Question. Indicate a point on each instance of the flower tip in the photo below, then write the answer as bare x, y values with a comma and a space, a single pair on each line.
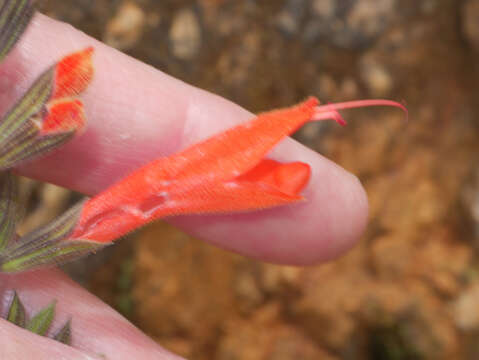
311, 102
293, 177
89, 50
340, 120
289, 178
74, 73
402, 105
63, 116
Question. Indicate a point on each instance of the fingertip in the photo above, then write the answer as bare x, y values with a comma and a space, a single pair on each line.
351, 211
337, 207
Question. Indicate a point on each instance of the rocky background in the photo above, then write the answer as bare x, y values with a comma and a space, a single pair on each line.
410, 289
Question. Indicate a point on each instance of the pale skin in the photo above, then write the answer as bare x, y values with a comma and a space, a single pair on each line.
136, 114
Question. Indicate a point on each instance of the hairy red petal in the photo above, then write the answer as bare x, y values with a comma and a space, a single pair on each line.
205, 168
223, 157
234, 151
269, 184
73, 74
289, 178
62, 116
225, 173
232, 196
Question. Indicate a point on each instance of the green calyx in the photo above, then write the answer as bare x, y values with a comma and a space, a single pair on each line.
23, 137
46, 246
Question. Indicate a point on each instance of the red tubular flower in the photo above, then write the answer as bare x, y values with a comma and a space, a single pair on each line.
225, 173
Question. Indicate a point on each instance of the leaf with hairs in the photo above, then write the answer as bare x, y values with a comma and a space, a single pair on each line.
16, 312
41, 322
64, 335
48, 245
9, 209
15, 15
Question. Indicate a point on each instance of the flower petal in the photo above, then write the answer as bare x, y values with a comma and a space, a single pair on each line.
269, 184
233, 196
289, 178
63, 115
73, 74
234, 151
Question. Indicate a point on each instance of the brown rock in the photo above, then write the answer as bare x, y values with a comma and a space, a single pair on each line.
466, 309
470, 22
185, 35
126, 27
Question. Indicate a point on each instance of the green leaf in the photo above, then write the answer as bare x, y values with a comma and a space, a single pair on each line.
48, 245
41, 322
16, 312
15, 15
9, 207
64, 335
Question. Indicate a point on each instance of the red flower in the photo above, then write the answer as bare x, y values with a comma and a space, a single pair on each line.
72, 75
225, 173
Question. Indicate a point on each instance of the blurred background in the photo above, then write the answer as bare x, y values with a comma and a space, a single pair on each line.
410, 289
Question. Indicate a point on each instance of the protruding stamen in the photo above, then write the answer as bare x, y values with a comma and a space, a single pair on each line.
330, 111
333, 114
